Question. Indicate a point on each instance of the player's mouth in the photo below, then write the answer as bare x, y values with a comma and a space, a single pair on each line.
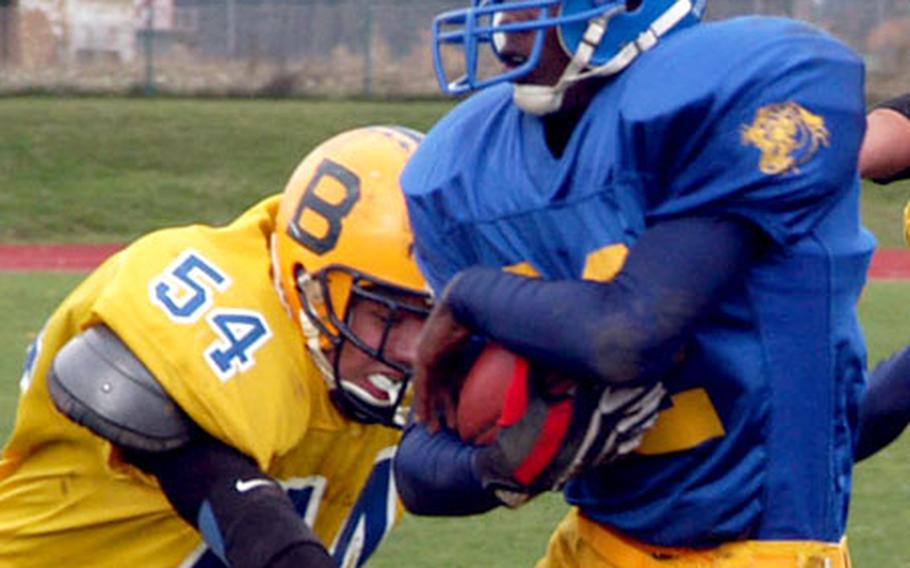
377, 388
512, 60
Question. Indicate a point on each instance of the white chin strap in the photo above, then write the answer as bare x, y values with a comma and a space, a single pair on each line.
541, 100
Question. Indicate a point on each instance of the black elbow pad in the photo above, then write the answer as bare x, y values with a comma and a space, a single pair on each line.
97, 382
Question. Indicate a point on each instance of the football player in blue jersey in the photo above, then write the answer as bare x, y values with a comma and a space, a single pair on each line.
640, 198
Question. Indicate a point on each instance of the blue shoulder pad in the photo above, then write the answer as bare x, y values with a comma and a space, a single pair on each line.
98, 382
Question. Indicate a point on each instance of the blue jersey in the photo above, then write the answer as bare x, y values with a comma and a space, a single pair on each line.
755, 118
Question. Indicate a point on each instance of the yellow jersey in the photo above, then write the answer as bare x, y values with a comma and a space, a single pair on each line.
199, 307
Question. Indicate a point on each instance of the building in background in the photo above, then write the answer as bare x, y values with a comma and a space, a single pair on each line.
39, 32
66, 32
319, 47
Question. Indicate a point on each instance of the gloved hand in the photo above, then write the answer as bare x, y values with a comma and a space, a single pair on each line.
552, 429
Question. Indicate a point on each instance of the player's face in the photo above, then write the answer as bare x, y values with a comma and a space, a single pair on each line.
514, 49
370, 321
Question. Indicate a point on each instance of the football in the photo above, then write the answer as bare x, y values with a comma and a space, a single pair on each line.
483, 393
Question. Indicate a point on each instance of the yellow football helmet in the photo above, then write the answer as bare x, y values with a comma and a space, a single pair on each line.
342, 233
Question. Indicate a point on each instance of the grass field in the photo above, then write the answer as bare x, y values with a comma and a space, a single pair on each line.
108, 170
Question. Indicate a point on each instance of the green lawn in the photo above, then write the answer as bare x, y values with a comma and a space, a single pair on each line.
96, 170
109, 170
509, 539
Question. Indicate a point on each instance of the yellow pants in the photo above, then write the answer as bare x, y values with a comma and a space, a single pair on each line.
582, 543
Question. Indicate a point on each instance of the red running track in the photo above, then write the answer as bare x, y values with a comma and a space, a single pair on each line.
54, 257
887, 264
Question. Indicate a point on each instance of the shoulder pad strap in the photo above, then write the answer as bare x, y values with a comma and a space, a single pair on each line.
99, 383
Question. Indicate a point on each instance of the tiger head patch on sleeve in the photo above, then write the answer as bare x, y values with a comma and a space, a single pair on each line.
787, 135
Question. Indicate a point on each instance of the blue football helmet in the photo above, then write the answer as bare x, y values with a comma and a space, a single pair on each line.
601, 37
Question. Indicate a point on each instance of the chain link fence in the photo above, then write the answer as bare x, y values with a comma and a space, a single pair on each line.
318, 47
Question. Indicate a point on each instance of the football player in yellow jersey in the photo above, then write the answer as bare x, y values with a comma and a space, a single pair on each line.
228, 394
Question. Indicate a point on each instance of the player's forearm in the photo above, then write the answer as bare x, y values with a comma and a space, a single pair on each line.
885, 154
885, 407
244, 516
630, 329
435, 475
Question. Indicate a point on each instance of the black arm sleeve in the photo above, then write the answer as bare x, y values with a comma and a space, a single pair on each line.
899, 104
629, 329
245, 517
885, 408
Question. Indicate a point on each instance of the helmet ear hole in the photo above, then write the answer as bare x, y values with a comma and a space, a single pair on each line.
632, 5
